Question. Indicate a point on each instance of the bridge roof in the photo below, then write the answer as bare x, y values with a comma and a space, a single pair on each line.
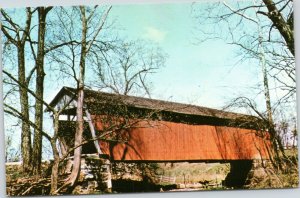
99, 97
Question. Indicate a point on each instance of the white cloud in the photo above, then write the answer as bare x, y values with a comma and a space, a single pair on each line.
154, 34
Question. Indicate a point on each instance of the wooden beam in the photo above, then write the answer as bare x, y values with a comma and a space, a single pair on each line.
92, 129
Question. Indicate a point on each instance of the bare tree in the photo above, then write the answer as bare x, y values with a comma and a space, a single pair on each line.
13, 111
237, 24
85, 44
33, 46
11, 154
284, 24
266, 41
39, 65
17, 35
125, 69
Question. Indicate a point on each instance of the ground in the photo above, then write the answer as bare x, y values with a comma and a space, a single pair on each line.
155, 177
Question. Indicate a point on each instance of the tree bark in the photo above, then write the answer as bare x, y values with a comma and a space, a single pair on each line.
37, 143
275, 139
54, 173
79, 111
26, 134
283, 26
26, 148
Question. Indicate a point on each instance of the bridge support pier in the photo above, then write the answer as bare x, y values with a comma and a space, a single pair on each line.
238, 175
95, 175
246, 173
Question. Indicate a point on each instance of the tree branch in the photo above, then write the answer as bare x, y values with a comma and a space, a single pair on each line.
103, 20
8, 36
14, 112
29, 91
237, 12
60, 45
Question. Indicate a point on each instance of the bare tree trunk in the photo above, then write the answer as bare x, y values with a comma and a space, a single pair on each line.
37, 143
271, 126
54, 173
275, 138
79, 112
26, 134
85, 47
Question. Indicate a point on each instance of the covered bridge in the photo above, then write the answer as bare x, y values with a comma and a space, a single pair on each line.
136, 129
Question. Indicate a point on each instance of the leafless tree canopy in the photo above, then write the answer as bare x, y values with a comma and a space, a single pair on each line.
262, 32
257, 28
126, 68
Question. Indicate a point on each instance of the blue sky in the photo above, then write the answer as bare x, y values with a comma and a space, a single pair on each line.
205, 74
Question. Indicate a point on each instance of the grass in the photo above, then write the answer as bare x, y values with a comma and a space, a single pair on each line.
194, 172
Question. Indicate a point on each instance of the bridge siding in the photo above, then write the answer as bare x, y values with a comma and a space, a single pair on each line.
169, 141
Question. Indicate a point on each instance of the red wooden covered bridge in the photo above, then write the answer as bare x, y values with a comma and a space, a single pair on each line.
135, 129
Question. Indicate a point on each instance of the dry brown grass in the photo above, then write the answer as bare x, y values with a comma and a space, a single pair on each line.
194, 172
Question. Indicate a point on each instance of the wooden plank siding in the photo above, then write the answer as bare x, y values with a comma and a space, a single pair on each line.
169, 141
